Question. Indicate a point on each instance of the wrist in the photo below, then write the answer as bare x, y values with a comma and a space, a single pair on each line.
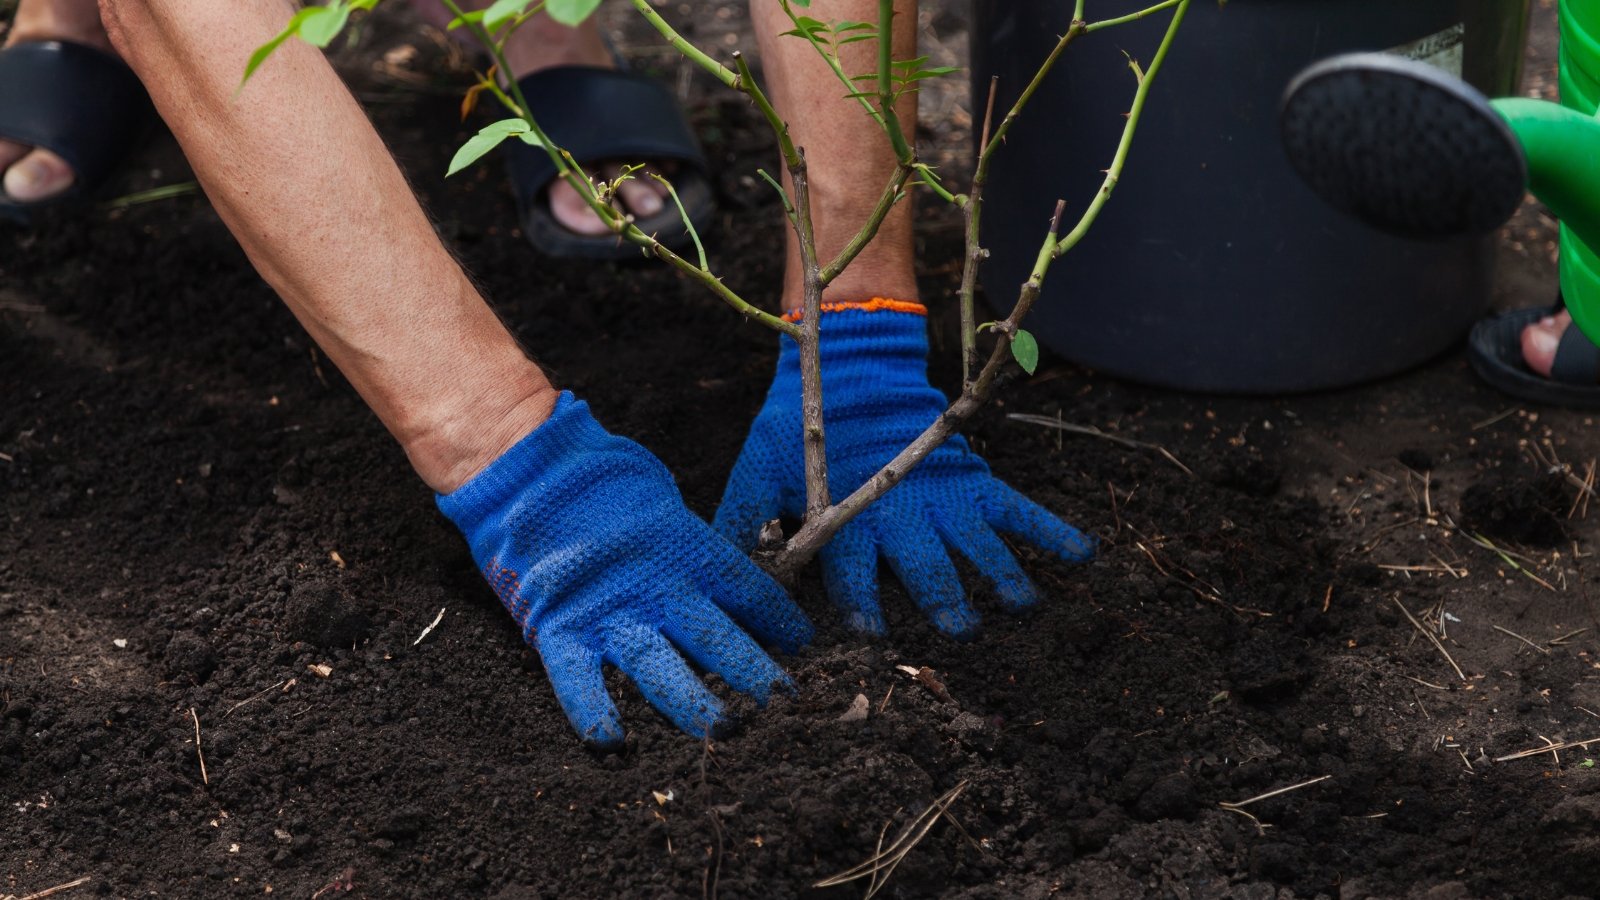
459, 442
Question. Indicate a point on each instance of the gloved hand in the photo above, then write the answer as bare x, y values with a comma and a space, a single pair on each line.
876, 400
585, 538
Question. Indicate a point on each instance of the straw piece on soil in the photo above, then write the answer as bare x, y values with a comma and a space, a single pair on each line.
1519, 637
51, 891
197, 751
1431, 639
1268, 794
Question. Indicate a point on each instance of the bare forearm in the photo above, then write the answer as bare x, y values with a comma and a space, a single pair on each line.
307, 187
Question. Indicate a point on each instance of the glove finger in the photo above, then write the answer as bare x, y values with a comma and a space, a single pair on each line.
665, 680
973, 538
751, 499
918, 558
575, 675
750, 595
850, 573
1009, 511
710, 639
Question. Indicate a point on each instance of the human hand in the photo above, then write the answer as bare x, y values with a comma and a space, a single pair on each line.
585, 539
876, 400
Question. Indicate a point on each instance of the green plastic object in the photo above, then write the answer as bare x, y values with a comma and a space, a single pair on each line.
1580, 91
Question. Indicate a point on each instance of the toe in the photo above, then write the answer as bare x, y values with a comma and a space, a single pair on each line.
1540, 340
572, 212
37, 176
640, 196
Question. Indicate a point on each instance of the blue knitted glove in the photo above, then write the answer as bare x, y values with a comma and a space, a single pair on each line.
876, 400
585, 538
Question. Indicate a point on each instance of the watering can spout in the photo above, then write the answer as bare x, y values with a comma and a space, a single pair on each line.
1412, 150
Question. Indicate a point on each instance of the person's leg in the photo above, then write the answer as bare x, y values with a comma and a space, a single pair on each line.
848, 158
30, 174
307, 187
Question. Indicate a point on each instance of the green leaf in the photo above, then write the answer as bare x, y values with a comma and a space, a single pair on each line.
502, 11
1025, 350
857, 37
803, 4
571, 13
324, 24
265, 50
910, 63
934, 72
488, 138
854, 26
465, 19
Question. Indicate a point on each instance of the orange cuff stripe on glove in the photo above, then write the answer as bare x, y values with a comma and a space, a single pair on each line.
876, 304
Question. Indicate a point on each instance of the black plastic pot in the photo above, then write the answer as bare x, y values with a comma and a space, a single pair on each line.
1213, 267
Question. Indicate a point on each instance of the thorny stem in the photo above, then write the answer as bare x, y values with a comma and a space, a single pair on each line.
931, 182
816, 455
819, 529
683, 45
974, 255
746, 84
1131, 17
972, 202
891, 121
1114, 173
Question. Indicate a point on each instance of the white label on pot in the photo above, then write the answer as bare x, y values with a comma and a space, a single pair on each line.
1443, 50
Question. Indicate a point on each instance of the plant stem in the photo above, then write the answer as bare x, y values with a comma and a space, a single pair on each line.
819, 529
816, 454
683, 45
886, 98
745, 83
1114, 173
931, 181
972, 203
1132, 17
973, 258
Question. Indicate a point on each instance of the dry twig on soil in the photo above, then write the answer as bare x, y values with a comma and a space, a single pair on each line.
1519, 637
197, 751
1270, 794
1550, 747
51, 891
1091, 431
883, 862
1432, 638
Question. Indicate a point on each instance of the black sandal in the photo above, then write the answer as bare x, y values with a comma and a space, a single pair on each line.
1495, 350
82, 104
607, 114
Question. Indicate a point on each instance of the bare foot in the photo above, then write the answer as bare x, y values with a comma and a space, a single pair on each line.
35, 174
1540, 340
542, 44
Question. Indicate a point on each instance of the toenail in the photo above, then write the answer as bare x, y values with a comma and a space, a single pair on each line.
30, 178
1543, 341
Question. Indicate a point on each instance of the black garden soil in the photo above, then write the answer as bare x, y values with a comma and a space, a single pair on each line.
205, 531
